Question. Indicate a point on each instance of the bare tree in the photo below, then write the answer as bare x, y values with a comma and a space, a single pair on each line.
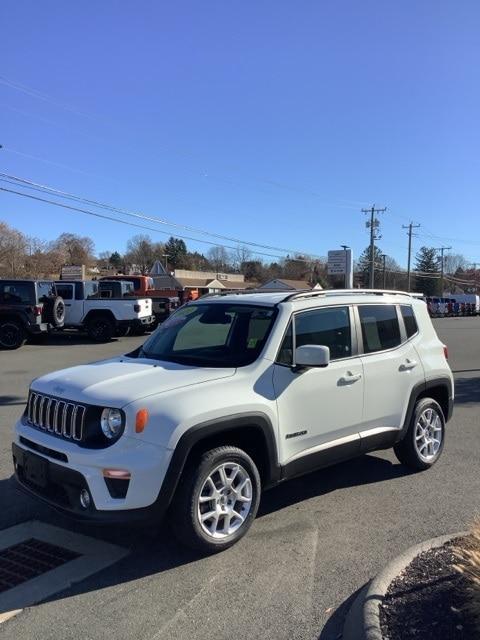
455, 261
75, 249
219, 258
239, 256
140, 253
13, 251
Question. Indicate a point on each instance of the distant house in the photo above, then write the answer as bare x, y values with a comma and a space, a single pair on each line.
289, 285
193, 284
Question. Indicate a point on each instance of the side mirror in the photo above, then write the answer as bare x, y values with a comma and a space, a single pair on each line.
312, 355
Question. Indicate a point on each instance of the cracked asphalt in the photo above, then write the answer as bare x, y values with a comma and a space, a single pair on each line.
317, 540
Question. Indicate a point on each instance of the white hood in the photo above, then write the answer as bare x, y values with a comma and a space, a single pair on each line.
122, 380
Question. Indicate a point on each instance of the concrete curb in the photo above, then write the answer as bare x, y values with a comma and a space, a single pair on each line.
363, 619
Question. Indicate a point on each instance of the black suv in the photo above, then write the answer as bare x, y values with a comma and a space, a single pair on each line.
28, 307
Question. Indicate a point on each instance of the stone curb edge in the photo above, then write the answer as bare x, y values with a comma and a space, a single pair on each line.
363, 619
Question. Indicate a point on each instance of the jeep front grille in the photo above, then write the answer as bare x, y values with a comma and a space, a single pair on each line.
60, 417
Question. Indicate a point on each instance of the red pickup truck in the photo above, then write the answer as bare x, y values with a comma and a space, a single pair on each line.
164, 301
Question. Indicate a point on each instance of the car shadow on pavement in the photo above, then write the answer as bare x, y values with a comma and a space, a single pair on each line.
467, 390
63, 339
11, 400
367, 469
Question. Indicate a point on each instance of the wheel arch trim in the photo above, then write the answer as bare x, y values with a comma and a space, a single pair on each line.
227, 424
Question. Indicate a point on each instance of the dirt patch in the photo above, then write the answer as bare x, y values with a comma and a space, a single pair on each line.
427, 600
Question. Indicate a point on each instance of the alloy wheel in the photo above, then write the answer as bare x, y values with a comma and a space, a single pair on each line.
428, 434
225, 500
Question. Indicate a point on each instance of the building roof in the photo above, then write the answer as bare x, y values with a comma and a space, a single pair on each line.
209, 283
285, 283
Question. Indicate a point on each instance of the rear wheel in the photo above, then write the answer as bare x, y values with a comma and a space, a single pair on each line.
423, 443
217, 500
100, 328
12, 335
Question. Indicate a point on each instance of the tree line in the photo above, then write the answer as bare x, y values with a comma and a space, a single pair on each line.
23, 256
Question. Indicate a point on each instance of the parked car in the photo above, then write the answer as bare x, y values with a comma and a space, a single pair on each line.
103, 310
165, 306
28, 308
144, 287
233, 394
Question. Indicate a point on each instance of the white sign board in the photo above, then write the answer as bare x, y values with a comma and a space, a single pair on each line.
73, 272
340, 263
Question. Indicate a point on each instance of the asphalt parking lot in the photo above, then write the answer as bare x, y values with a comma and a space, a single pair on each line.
316, 541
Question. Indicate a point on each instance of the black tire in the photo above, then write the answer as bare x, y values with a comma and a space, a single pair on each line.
185, 509
12, 335
408, 451
54, 311
100, 328
122, 331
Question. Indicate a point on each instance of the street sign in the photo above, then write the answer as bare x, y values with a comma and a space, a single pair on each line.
340, 263
337, 262
73, 272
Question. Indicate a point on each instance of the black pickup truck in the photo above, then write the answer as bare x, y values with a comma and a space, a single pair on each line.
28, 308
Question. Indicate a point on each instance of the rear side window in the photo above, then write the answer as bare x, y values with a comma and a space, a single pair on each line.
45, 290
65, 291
17, 293
380, 328
411, 326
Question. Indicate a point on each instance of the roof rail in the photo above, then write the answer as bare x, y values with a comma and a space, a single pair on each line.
347, 292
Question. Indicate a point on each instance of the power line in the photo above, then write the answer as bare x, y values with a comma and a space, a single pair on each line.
25, 183
133, 224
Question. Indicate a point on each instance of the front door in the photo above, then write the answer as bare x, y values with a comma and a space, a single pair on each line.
319, 409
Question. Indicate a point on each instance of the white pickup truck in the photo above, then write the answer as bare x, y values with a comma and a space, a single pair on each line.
104, 309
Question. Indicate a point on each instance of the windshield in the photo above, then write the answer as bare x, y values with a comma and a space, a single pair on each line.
211, 335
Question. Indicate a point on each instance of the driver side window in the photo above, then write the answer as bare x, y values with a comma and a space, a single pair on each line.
329, 327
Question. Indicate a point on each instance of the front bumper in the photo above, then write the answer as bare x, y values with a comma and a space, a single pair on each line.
68, 469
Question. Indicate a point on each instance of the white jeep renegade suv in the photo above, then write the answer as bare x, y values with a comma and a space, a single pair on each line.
232, 394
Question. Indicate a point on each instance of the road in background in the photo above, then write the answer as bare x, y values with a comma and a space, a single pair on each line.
317, 539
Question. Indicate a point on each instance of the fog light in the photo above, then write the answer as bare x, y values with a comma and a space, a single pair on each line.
85, 498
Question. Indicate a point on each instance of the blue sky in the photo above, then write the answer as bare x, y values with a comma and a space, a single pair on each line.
271, 121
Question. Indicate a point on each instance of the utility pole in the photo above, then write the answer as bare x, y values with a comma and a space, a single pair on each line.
374, 225
410, 227
442, 266
384, 277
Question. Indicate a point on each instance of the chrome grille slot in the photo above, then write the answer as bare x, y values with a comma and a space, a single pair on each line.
59, 417
65, 419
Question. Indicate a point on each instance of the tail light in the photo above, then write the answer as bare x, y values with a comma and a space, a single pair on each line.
37, 311
137, 308
445, 351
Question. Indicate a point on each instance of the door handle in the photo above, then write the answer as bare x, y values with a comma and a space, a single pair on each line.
350, 378
409, 364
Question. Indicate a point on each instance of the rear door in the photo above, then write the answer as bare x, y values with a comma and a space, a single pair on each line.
388, 334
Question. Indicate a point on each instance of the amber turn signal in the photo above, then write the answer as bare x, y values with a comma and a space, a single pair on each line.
141, 420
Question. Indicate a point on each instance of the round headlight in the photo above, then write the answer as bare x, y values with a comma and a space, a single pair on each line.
111, 422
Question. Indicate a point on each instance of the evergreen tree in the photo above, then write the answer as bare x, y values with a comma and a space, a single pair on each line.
426, 263
176, 250
363, 266
116, 260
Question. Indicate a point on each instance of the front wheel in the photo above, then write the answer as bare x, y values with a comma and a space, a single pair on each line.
423, 442
217, 500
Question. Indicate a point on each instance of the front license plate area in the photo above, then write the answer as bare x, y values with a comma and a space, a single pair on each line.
35, 469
